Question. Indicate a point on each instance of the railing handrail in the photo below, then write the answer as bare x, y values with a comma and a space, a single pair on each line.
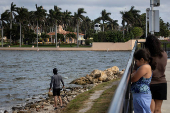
118, 100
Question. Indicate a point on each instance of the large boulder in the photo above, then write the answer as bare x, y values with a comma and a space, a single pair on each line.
97, 76
109, 73
103, 76
95, 73
114, 69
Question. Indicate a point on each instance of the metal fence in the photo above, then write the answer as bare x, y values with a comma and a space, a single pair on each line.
122, 100
165, 47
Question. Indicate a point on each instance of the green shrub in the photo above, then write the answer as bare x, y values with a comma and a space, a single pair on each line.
137, 32
88, 41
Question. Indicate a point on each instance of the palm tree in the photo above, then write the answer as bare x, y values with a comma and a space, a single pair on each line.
131, 17
105, 17
11, 13
136, 16
39, 15
4, 20
113, 23
56, 17
22, 16
65, 17
86, 24
78, 16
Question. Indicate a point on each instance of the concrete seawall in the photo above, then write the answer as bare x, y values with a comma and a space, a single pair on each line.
97, 46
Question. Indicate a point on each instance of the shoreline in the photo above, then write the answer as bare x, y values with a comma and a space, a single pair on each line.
55, 49
46, 105
85, 84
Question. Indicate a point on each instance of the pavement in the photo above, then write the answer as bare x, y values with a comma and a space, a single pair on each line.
166, 103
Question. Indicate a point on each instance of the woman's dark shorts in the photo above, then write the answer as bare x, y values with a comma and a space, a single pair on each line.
159, 91
56, 92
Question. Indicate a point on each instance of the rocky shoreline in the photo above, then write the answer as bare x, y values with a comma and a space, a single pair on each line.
89, 81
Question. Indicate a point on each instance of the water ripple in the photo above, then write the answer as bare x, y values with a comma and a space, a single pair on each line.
26, 74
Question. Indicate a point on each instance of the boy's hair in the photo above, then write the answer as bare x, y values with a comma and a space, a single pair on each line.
154, 46
55, 70
143, 53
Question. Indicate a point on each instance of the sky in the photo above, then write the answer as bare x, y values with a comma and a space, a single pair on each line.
93, 8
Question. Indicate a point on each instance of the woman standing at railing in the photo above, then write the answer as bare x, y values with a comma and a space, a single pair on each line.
141, 79
158, 84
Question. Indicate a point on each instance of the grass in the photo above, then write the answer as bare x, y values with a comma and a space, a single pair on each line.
102, 104
77, 103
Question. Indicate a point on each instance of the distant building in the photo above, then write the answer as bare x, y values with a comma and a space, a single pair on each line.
97, 27
66, 39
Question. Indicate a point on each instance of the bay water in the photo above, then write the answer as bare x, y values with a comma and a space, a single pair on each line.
25, 75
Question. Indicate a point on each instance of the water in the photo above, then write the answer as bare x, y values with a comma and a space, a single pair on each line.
27, 74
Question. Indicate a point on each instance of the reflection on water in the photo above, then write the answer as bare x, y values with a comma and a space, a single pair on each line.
26, 74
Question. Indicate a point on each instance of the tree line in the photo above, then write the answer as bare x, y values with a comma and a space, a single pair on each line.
20, 24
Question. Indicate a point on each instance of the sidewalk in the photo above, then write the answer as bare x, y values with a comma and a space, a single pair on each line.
166, 103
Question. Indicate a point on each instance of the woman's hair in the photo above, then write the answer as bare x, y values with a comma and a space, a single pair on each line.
143, 53
154, 46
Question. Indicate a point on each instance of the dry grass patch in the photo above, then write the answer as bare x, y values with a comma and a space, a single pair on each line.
102, 104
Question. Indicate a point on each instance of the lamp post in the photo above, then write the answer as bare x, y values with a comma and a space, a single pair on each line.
59, 42
147, 19
1, 25
154, 17
152, 4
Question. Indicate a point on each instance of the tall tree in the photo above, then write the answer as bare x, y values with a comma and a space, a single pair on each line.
78, 16
12, 14
4, 20
66, 18
104, 17
39, 14
85, 26
58, 19
113, 24
22, 16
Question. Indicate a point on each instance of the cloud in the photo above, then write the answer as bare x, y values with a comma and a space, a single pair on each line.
92, 7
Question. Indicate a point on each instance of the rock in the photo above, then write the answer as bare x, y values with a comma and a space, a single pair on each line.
99, 82
5, 111
80, 81
94, 73
32, 106
102, 77
24, 111
123, 69
95, 80
114, 69
50, 94
109, 73
38, 106
45, 109
81, 91
120, 73
52, 102
45, 104
14, 111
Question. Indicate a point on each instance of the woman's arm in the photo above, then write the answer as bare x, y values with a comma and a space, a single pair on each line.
139, 73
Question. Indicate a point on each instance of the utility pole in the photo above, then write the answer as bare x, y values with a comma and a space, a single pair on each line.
147, 19
152, 12
1, 25
154, 17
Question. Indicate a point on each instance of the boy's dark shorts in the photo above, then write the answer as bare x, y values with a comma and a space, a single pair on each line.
56, 92
159, 91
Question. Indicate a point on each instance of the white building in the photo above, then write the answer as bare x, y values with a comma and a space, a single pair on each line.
97, 27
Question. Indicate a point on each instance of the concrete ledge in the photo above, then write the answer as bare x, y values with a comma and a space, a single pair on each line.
97, 46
